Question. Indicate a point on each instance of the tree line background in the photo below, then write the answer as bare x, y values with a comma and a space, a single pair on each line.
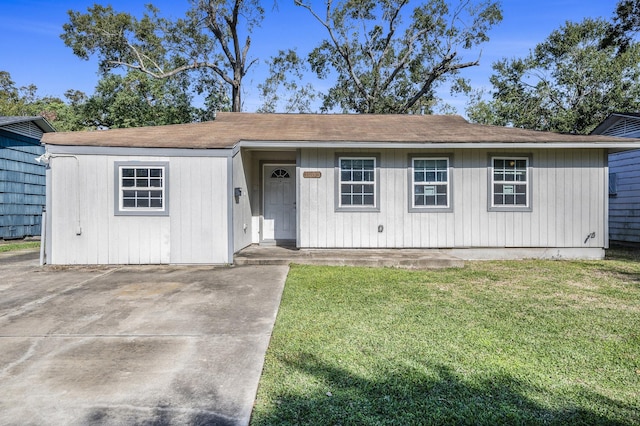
385, 57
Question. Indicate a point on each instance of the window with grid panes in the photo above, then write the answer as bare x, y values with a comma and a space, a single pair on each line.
430, 182
142, 188
510, 182
357, 181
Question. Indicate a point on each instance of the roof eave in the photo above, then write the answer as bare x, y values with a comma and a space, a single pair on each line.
612, 119
620, 146
39, 121
44, 125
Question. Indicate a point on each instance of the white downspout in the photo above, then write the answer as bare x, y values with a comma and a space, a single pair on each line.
43, 236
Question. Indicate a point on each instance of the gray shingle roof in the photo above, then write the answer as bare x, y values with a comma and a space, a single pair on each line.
230, 128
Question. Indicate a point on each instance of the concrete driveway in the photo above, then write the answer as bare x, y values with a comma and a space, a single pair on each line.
150, 345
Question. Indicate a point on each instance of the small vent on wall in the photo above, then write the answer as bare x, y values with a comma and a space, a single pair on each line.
624, 128
26, 128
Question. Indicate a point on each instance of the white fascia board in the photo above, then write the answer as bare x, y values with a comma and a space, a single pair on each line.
159, 152
622, 146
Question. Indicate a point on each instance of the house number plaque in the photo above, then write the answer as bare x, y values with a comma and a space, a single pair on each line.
312, 175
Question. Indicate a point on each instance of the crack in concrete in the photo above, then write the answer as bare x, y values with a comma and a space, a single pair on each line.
27, 355
34, 303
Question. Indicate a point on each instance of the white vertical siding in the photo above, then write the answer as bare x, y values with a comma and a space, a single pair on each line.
82, 201
65, 186
567, 189
130, 239
194, 232
198, 210
242, 223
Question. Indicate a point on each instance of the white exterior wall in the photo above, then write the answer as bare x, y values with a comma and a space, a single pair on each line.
83, 229
624, 206
199, 210
568, 190
242, 219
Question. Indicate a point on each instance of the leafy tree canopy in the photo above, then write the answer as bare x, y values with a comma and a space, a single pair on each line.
283, 90
25, 101
137, 99
131, 100
626, 24
569, 83
387, 59
207, 41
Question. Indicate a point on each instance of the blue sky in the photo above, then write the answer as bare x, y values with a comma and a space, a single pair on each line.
33, 53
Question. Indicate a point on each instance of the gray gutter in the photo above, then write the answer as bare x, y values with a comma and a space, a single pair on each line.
611, 146
160, 152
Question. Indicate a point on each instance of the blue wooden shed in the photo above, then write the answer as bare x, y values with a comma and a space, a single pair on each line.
624, 178
22, 179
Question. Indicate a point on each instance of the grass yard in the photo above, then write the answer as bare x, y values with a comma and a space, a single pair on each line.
22, 245
523, 342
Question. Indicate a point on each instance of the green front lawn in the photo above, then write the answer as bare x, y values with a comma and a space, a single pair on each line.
524, 342
22, 245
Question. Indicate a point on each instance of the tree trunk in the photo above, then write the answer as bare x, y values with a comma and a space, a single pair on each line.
236, 105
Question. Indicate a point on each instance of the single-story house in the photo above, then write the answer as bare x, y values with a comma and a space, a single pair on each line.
624, 179
22, 179
198, 193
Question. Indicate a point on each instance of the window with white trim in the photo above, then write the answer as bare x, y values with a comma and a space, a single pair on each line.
430, 183
510, 182
357, 185
142, 188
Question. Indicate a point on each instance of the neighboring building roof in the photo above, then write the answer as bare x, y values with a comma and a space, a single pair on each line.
41, 122
624, 124
228, 129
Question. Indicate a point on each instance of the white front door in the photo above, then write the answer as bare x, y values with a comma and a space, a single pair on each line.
279, 202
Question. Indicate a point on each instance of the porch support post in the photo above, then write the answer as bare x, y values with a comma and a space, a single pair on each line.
230, 235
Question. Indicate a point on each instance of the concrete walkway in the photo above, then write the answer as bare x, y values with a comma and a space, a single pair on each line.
152, 345
392, 258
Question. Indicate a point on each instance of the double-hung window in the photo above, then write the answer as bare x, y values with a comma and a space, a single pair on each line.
357, 183
141, 188
430, 184
510, 183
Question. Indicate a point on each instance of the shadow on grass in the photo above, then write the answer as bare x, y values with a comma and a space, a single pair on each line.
628, 254
428, 395
618, 252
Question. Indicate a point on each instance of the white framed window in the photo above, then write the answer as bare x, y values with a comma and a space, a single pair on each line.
430, 180
141, 188
510, 183
357, 184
